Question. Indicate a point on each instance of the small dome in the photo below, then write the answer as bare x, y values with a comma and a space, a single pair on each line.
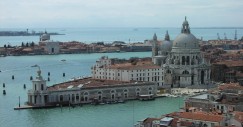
185, 40
166, 46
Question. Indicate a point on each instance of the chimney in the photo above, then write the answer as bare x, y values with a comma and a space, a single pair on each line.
178, 124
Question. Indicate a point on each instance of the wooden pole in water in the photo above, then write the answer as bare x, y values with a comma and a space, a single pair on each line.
3, 85
63, 75
4, 92
19, 101
24, 86
49, 73
12, 77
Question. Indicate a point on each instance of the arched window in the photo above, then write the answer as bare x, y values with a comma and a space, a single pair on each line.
125, 91
42, 87
61, 98
73, 97
77, 96
168, 71
125, 95
185, 72
112, 96
86, 93
183, 60
187, 60
99, 95
85, 98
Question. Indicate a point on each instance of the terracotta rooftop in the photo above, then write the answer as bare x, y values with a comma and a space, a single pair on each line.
182, 123
231, 63
234, 86
139, 65
201, 116
90, 83
239, 116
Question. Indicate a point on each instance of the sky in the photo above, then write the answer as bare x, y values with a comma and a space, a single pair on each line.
119, 13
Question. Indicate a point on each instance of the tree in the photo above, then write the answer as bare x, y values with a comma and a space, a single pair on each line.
5, 46
32, 44
27, 44
22, 45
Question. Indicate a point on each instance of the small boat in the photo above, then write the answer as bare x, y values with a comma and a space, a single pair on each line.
102, 103
63, 60
121, 101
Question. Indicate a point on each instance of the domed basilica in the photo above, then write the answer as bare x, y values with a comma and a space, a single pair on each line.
182, 62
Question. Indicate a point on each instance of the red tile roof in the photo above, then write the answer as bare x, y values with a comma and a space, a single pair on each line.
182, 123
201, 116
234, 86
231, 63
91, 83
239, 116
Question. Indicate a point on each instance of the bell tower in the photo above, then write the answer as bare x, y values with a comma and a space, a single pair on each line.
154, 45
185, 27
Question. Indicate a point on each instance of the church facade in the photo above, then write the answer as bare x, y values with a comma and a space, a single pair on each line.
182, 62
177, 63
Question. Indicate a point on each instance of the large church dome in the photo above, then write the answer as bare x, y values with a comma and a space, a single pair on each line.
186, 40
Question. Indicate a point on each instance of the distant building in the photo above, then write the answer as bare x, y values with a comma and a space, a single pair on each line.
52, 47
45, 37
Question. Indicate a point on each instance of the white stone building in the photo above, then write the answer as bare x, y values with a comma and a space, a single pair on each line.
87, 90
52, 47
177, 64
38, 94
140, 70
185, 65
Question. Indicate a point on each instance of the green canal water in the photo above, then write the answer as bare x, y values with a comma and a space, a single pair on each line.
114, 115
